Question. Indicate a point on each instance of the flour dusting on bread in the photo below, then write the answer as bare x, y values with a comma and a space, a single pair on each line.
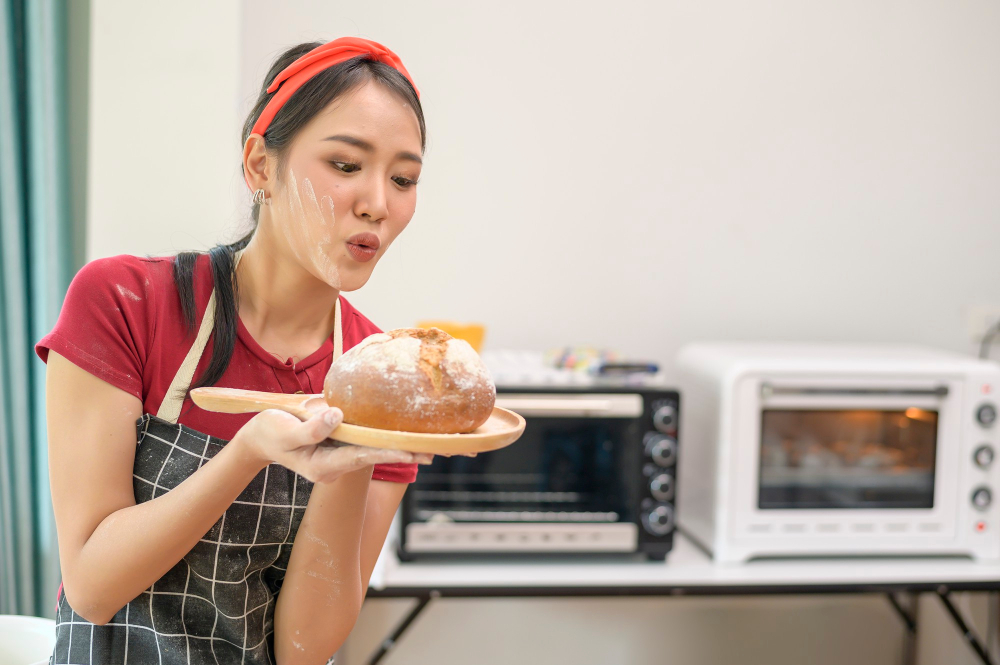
462, 361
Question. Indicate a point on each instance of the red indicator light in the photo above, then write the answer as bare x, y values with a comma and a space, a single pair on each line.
980, 526
986, 389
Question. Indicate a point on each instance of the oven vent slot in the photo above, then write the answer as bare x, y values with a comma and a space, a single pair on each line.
445, 516
767, 390
499, 497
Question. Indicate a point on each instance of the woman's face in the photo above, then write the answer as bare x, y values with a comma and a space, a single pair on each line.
348, 186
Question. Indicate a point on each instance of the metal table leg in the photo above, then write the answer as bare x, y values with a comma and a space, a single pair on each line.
966, 631
909, 616
390, 641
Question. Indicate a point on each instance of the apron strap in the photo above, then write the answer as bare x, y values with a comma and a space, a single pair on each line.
170, 408
338, 333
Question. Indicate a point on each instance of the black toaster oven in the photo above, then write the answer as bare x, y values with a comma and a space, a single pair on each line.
594, 473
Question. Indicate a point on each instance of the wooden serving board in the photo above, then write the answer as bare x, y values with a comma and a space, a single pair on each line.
502, 429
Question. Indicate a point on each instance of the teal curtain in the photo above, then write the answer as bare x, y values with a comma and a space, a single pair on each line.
38, 257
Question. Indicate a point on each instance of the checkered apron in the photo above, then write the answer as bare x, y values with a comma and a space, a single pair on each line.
217, 604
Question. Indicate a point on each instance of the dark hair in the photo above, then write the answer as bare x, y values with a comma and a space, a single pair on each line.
303, 106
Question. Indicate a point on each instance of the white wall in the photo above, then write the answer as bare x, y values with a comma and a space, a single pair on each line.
164, 135
632, 175
640, 174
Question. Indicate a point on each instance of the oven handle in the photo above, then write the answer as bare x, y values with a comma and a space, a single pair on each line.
617, 406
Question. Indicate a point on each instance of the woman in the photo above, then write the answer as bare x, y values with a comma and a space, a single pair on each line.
178, 527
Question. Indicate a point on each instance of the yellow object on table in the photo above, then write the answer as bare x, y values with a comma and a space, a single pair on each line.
472, 333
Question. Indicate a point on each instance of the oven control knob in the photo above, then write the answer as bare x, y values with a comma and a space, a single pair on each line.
659, 521
983, 456
663, 449
662, 487
982, 498
665, 418
986, 415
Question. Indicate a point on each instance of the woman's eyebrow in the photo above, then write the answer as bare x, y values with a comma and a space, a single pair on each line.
368, 147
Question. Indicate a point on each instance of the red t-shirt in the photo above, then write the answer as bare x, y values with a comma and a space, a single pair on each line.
122, 322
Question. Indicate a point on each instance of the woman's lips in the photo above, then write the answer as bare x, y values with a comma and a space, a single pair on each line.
363, 246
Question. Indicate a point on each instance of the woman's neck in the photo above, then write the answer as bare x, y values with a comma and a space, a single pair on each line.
286, 309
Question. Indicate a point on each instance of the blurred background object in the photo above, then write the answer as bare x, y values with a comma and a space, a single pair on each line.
473, 333
26, 640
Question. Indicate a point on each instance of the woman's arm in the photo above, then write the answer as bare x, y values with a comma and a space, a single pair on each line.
335, 550
383, 501
111, 549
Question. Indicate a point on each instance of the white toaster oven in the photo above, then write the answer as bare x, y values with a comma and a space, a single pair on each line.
819, 450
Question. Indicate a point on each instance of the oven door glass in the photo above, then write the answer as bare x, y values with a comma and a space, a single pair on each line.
560, 470
857, 458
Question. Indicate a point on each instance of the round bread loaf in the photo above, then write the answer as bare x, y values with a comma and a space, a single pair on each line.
412, 380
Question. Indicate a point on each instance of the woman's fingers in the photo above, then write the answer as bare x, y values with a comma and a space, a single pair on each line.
306, 448
328, 462
364, 455
319, 427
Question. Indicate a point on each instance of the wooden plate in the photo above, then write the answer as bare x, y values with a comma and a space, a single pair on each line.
502, 429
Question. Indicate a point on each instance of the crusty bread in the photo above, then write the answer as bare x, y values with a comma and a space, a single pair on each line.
412, 380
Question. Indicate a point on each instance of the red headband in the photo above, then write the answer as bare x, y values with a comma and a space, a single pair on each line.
322, 57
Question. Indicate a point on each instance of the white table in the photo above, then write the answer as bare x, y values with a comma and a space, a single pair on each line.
687, 571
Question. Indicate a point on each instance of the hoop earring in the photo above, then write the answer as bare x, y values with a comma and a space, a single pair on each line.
258, 198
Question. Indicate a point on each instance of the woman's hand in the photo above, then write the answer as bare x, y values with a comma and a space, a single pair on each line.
303, 447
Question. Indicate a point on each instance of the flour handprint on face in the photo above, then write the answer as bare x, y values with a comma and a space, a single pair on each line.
309, 225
